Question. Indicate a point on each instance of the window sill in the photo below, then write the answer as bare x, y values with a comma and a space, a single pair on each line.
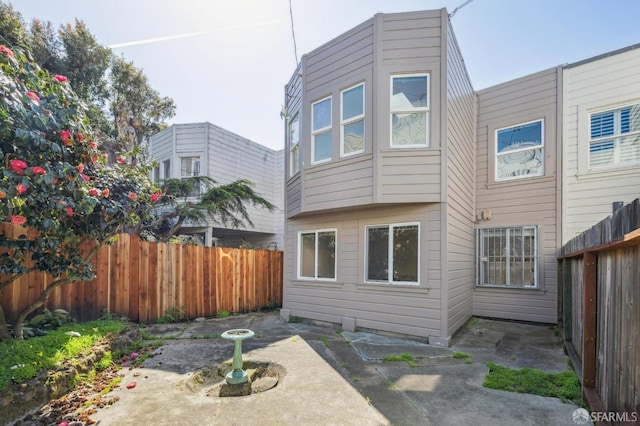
316, 283
508, 288
620, 171
395, 288
518, 182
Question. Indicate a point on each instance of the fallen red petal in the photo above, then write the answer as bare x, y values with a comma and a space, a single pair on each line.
131, 385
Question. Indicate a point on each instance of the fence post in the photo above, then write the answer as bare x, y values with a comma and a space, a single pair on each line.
589, 321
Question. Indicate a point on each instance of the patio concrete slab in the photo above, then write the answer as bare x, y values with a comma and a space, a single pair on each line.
333, 378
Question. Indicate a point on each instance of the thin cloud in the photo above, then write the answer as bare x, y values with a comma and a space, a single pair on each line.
186, 35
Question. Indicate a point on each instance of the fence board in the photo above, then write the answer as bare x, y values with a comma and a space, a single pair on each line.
141, 280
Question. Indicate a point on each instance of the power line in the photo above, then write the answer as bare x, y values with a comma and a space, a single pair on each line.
454, 10
293, 34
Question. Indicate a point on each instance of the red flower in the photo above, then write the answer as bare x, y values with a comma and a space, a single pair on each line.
6, 51
94, 159
20, 189
133, 196
17, 166
38, 170
66, 137
81, 167
16, 219
154, 197
85, 177
69, 211
60, 78
105, 193
93, 192
3, 194
121, 160
33, 96
55, 181
93, 145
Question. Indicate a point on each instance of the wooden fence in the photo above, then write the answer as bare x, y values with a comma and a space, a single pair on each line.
141, 280
599, 310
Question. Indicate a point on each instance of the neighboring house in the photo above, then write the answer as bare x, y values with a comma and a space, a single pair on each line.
186, 150
414, 202
601, 137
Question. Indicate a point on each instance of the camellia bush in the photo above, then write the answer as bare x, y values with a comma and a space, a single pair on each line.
56, 183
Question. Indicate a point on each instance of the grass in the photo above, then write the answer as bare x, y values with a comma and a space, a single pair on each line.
461, 355
564, 386
400, 358
22, 360
222, 314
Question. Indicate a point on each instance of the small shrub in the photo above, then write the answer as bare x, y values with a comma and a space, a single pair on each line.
173, 315
222, 314
461, 355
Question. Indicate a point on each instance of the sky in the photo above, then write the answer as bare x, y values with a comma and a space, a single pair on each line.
227, 61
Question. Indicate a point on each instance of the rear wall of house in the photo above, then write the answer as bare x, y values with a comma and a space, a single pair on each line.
522, 201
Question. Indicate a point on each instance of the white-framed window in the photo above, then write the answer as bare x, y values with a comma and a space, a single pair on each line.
294, 144
614, 137
410, 110
190, 167
508, 257
352, 120
392, 253
321, 135
317, 254
156, 174
520, 151
166, 169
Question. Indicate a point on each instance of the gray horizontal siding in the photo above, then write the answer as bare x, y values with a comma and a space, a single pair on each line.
410, 37
161, 145
409, 176
411, 310
527, 201
460, 148
190, 138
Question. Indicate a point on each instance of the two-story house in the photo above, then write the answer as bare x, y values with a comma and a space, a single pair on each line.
413, 202
203, 149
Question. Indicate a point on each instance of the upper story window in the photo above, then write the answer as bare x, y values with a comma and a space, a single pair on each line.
508, 257
614, 137
410, 111
317, 254
156, 173
520, 151
393, 253
190, 167
352, 121
321, 137
294, 143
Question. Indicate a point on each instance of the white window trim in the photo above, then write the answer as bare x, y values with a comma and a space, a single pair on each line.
315, 132
530, 148
294, 147
390, 280
315, 272
348, 121
194, 160
536, 256
615, 137
426, 109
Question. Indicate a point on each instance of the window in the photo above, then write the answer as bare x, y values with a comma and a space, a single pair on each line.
190, 167
156, 174
410, 111
519, 151
166, 169
317, 255
352, 121
321, 131
393, 253
508, 256
614, 137
294, 141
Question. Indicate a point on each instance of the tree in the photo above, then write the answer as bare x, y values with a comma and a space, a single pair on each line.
12, 29
56, 182
133, 102
223, 204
